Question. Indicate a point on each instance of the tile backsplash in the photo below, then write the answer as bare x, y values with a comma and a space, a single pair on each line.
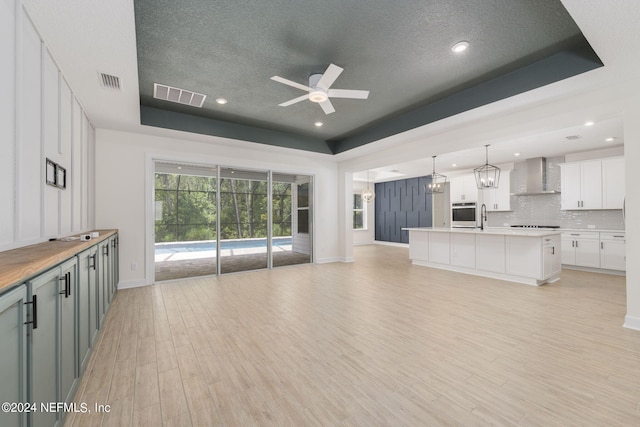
544, 209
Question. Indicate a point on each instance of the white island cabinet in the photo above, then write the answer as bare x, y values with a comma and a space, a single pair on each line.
531, 257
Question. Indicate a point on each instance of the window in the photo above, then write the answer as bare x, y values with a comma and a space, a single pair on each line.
359, 213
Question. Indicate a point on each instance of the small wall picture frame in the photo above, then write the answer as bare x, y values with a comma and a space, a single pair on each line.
61, 177
51, 173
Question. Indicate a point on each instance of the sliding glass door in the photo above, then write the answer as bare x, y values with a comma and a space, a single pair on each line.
263, 219
243, 220
185, 221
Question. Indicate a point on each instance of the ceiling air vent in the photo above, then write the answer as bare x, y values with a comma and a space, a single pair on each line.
181, 96
573, 137
110, 82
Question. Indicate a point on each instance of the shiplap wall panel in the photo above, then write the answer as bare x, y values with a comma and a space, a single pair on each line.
51, 118
76, 169
66, 102
29, 157
84, 173
7, 120
400, 204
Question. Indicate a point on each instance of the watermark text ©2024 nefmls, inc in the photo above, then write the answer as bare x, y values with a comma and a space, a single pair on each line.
48, 407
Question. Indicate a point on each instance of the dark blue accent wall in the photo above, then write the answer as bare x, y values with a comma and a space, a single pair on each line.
399, 204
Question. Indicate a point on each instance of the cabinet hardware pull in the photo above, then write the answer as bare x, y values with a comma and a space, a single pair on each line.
34, 310
576, 243
105, 251
94, 261
573, 243
553, 250
574, 234
68, 285
619, 236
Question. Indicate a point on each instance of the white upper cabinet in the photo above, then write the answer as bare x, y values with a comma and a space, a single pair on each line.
498, 199
463, 189
613, 183
592, 184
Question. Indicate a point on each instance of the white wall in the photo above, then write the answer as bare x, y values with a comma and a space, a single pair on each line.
39, 119
368, 236
124, 175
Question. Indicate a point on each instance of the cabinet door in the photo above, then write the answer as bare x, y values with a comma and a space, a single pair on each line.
463, 250
103, 281
570, 186
587, 252
568, 253
502, 194
439, 249
68, 354
87, 303
524, 256
456, 190
490, 253
612, 255
552, 264
419, 246
43, 387
13, 354
613, 188
470, 188
591, 180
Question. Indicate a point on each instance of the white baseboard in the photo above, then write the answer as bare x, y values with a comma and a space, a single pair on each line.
132, 284
368, 242
333, 259
398, 245
632, 322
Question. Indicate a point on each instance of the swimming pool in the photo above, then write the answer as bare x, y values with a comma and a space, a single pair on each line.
176, 251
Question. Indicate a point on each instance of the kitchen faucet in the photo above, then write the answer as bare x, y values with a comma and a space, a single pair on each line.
483, 215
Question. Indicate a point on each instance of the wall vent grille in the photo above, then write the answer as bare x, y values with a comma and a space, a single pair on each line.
110, 82
573, 137
181, 96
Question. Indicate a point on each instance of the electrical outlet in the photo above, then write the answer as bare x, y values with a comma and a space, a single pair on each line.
134, 266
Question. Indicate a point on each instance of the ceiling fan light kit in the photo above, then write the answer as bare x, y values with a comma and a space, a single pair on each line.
320, 89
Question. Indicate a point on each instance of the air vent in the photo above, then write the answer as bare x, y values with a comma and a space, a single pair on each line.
181, 96
573, 137
110, 82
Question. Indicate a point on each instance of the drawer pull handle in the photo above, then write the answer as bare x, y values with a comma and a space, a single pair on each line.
34, 307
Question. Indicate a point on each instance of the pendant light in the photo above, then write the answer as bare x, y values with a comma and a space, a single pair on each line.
487, 176
368, 194
437, 181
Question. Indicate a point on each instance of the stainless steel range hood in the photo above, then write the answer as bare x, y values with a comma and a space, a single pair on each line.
536, 178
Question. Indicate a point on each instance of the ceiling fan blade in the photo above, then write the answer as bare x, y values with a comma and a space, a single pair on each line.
290, 83
347, 93
294, 101
327, 107
329, 76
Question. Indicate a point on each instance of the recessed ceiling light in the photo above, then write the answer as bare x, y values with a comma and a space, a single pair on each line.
589, 123
610, 139
516, 154
454, 165
318, 124
460, 46
221, 101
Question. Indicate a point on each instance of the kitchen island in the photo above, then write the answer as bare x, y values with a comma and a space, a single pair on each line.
527, 256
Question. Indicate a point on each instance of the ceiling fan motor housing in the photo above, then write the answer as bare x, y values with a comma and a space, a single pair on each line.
316, 94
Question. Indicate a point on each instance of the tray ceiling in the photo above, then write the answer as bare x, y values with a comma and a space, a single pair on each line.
399, 51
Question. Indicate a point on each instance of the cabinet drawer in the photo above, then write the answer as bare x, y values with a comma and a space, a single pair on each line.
612, 236
581, 235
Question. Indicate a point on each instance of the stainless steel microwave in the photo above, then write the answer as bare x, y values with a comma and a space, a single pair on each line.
463, 215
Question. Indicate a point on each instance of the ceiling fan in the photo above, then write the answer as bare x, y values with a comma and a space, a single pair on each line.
320, 89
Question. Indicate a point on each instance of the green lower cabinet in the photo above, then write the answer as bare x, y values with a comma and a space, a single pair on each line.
87, 305
13, 355
53, 375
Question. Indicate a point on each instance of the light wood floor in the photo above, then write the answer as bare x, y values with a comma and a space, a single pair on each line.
376, 342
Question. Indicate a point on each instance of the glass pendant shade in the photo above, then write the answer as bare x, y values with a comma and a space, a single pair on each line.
487, 176
437, 183
368, 194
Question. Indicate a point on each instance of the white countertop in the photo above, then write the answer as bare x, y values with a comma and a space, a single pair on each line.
491, 230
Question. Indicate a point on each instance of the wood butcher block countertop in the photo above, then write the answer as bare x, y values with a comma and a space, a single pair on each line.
17, 265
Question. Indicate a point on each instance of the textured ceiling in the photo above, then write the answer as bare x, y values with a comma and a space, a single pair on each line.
399, 51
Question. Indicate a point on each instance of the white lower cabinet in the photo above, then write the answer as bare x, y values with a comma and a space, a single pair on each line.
419, 246
531, 257
490, 253
463, 250
439, 248
612, 251
581, 249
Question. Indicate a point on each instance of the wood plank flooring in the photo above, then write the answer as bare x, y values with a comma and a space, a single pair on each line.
378, 342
